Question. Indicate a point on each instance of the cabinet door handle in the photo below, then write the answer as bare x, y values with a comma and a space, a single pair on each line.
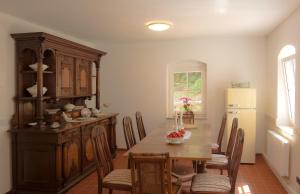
230, 112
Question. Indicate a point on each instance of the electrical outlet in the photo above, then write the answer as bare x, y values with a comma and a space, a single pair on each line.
298, 180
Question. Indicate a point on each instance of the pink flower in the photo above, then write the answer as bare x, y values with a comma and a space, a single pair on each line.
186, 103
185, 100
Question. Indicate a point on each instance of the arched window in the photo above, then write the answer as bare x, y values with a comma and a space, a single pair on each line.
286, 86
187, 80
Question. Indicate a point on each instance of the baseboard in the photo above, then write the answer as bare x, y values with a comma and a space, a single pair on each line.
287, 187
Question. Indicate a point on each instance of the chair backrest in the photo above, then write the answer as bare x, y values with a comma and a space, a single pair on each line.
234, 163
128, 132
221, 132
232, 137
103, 158
140, 125
150, 173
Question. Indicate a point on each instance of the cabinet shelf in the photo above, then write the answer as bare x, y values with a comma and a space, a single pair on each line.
34, 72
52, 97
31, 98
66, 97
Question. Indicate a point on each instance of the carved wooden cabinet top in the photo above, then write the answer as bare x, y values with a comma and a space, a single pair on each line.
109, 116
52, 72
52, 41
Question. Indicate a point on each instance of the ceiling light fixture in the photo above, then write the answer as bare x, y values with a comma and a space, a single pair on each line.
159, 25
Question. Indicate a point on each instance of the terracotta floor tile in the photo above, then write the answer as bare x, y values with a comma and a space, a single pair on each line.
258, 178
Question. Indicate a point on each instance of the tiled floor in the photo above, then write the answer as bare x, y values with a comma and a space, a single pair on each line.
252, 179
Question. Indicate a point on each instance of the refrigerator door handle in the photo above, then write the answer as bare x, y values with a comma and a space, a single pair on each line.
233, 105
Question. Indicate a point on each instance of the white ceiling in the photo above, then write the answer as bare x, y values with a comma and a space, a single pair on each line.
123, 20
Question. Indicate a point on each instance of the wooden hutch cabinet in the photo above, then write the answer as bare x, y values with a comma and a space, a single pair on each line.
46, 159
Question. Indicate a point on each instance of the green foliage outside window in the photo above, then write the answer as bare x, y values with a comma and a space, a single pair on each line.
188, 84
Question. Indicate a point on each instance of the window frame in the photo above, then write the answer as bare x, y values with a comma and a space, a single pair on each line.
284, 61
189, 66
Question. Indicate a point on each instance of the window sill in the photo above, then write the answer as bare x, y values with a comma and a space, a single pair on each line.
197, 117
287, 130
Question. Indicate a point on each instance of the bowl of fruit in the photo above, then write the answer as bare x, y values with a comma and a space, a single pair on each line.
175, 137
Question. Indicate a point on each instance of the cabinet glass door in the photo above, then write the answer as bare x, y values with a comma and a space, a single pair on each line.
83, 78
65, 75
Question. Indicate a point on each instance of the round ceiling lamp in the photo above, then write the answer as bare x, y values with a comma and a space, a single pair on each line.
159, 26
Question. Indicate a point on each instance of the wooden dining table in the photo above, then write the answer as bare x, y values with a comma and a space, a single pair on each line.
197, 147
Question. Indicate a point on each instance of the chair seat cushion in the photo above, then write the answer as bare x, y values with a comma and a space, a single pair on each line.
218, 159
219, 156
118, 177
210, 183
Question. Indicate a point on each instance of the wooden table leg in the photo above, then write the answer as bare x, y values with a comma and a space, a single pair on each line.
195, 162
201, 167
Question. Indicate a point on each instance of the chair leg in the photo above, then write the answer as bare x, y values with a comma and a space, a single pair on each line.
99, 188
110, 191
221, 171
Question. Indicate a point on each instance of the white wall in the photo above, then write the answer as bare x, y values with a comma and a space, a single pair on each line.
134, 76
10, 25
287, 33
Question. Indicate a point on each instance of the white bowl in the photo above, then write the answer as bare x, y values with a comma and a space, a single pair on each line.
69, 107
176, 140
33, 90
173, 140
35, 67
32, 124
52, 111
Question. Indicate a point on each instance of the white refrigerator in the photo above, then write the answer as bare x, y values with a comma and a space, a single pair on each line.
241, 103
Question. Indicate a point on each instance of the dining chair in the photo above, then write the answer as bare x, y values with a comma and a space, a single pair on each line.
208, 183
217, 147
198, 165
140, 125
151, 174
221, 161
108, 177
128, 132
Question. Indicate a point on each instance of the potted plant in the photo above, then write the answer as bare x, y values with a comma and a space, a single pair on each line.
186, 104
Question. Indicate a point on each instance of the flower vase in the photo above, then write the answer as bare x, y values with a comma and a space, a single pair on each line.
188, 117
